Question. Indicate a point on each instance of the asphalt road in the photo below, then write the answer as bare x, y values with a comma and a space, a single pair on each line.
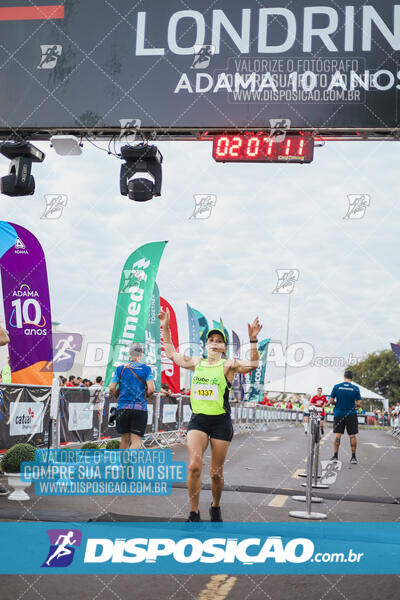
261, 476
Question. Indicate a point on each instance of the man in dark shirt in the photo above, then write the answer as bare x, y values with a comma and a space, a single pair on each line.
346, 398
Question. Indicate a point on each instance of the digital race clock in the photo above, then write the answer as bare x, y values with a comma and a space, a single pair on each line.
261, 148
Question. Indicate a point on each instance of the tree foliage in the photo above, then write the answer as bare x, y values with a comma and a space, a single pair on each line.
379, 372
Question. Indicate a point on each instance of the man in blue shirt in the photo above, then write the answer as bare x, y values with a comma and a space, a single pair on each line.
135, 383
346, 398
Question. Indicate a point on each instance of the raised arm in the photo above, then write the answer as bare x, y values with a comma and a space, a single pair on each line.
246, 366
4, 339
187, 362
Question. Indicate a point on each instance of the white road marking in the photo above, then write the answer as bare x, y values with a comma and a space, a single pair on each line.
379, 446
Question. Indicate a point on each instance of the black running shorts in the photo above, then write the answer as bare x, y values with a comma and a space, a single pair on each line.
130, 420
349, 421
217, 427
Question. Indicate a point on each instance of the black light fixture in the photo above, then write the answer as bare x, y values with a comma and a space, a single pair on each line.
19, 181
141, 159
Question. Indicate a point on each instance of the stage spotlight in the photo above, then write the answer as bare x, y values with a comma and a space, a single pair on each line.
141, 159
19, 181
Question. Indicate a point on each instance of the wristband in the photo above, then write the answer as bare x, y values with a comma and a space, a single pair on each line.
253, 341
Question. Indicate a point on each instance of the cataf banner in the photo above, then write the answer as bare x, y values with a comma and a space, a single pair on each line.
26, 305
170, 372
133, 303
203, 329
152, 349
258, 375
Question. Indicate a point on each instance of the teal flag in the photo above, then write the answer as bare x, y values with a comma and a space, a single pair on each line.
257, 376
203, 330
152, 342
224, 329
133, 303
194, 335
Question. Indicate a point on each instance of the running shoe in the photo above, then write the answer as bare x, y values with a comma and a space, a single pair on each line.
215, 514
353, 460
333, 459
3, 491
194, 517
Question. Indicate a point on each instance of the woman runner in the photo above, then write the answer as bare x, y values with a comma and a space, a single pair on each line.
211, 420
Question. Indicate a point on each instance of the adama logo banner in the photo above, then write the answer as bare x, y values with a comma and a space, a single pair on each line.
133, 303
26, 304
170, 372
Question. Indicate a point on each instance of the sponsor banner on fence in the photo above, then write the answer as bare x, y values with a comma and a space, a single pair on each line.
79, 418
133, 303
26, 302
234, 548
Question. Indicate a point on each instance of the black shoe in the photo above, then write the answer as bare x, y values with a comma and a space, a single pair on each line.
353, 460
3, 491
194, 517
334, 458
215, 514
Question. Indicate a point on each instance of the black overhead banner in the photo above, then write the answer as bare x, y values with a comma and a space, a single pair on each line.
90, 64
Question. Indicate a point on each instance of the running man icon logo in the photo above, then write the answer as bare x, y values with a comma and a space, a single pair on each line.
202, 56
129, 128
204, 203
62, 547
357, 206
278, 129
330, 471
65, 347
50, 55
286, 281
132, 279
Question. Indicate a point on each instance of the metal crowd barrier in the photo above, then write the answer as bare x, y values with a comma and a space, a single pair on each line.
395, 425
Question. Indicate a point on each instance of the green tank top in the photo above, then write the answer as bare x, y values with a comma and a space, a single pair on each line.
210, 389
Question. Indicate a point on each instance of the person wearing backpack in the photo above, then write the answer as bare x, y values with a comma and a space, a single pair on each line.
131, 384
